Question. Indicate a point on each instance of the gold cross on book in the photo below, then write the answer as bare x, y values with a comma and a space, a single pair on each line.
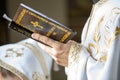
36, 24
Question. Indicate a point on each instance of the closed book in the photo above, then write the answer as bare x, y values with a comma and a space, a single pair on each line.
28, 21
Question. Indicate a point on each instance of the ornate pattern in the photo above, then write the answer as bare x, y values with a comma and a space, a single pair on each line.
96, 39
74, 52
107, 39
36, 76
14, 52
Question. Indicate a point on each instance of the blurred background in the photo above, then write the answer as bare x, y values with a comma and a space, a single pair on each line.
71, 13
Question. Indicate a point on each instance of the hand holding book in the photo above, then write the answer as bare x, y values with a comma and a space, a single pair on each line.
28, 21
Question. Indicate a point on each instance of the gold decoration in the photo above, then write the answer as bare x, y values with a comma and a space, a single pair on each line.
36, 24
65, 36
96, 39
97, 31
75, 49
21, 16
103, 58
54, 33
117, 32
50, 31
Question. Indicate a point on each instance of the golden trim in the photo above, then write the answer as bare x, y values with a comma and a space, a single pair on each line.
24, 11
74, 52
13, 70
44, 20
65, 36
21, 16
117, 32
50, 31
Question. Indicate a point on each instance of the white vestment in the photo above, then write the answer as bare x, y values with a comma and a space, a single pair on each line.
26, 60
97, 56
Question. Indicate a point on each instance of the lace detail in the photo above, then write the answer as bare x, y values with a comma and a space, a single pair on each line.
74, 52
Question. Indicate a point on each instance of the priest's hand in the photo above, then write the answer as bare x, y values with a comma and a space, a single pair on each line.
58, 51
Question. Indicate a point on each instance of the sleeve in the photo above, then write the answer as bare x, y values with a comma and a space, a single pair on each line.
77, 50
108, 69
111, 67
76, 62
81, 66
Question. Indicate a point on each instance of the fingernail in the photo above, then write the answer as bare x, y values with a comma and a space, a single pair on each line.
33, 35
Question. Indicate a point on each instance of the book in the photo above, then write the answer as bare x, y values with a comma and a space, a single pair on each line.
27, 21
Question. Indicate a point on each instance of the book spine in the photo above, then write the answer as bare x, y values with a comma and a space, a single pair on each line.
20, 29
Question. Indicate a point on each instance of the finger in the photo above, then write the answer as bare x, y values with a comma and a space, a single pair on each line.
45, 48
49, 50
61, 62
70, 42
46, 40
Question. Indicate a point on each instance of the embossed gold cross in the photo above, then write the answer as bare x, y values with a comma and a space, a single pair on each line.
36, 24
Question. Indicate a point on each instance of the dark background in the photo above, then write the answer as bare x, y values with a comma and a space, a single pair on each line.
4, 38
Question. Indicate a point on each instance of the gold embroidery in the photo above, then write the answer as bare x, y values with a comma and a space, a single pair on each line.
96, 39
97, 31
74, 52
117, 32
108, 39
103, 58
90, 45
113, 37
